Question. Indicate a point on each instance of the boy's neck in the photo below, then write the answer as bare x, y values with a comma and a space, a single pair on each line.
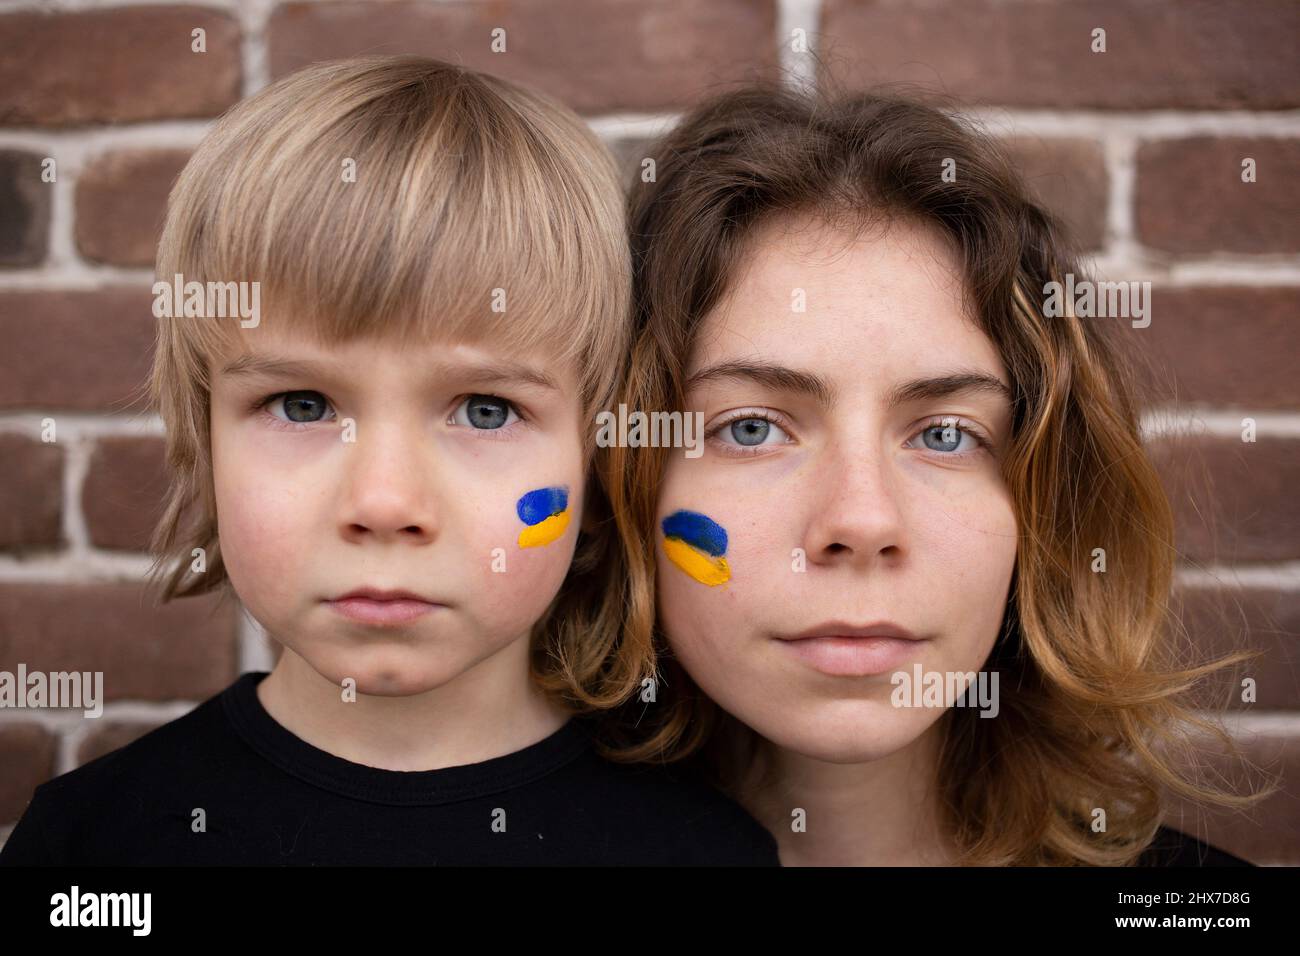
489, 711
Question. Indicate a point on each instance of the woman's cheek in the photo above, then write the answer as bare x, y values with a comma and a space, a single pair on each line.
716, 568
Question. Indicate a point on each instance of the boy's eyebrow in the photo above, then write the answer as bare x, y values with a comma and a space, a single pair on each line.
247, 366
809, 383
487, 373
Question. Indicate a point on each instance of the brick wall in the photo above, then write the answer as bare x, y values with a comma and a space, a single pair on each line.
1139, 148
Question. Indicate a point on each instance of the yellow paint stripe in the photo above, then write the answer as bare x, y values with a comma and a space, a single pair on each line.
544, 532
700, 566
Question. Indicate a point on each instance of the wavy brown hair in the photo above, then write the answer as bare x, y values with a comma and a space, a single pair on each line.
1108, 699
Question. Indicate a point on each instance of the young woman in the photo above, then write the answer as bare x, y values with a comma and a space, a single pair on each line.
920, 572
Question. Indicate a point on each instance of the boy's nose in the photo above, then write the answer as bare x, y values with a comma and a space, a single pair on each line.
389, 491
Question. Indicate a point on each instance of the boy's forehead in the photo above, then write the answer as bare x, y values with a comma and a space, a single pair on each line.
261, 348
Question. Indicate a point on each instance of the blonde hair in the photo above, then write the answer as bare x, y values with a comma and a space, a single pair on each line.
393, 197
1105, 698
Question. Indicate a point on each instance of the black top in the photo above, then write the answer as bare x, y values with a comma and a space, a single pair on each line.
271, 798
1175, 848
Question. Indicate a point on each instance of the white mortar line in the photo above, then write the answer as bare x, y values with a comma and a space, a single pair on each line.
617, 126
254, 649
799, 69
253, 18
1282, 576
1141, 125
1194, 419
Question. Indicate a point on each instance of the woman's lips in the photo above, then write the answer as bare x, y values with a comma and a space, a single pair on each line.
841, 656
372, 611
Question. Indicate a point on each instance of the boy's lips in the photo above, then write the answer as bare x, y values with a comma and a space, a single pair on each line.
382, 594
382, 607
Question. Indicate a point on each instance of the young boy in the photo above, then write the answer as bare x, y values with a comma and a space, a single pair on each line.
392, 294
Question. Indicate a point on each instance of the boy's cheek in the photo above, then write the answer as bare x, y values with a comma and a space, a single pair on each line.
518, 566
261, 551
515, 576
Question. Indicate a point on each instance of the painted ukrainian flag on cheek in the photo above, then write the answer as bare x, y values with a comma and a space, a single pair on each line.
696, 544
546, 512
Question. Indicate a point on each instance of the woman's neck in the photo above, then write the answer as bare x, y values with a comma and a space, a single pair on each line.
880, 813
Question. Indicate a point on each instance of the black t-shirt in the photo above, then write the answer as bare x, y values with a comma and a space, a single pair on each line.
268, 797
1175, 848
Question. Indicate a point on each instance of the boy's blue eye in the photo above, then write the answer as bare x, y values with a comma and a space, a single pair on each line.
485, 412
302, 406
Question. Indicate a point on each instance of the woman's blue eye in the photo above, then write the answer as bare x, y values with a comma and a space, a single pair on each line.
485, 412
750, 431
946, 435
301, 407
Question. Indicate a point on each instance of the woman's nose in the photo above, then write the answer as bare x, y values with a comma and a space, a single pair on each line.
856, 514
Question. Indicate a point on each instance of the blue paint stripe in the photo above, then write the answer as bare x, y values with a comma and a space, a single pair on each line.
697, 530
536, 506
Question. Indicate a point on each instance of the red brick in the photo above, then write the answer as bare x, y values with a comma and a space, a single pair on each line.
1224, 346
27, 753
629, 152
25, 199
1068, 176
31, 494
117, 65
123, 494
122, 202
1190, 198
184, 650
1233, 501
1220, 621
1269, 832
77, 350
1189, 54
596, 56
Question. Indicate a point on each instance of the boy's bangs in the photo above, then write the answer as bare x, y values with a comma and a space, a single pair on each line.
427, 218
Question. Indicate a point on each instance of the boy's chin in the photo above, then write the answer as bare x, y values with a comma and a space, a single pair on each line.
397, 675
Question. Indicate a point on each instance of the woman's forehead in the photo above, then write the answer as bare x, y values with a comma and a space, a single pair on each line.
876, 304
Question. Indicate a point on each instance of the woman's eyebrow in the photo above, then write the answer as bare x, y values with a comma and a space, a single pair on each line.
486, 373
951, 382
768, 375
948, 383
